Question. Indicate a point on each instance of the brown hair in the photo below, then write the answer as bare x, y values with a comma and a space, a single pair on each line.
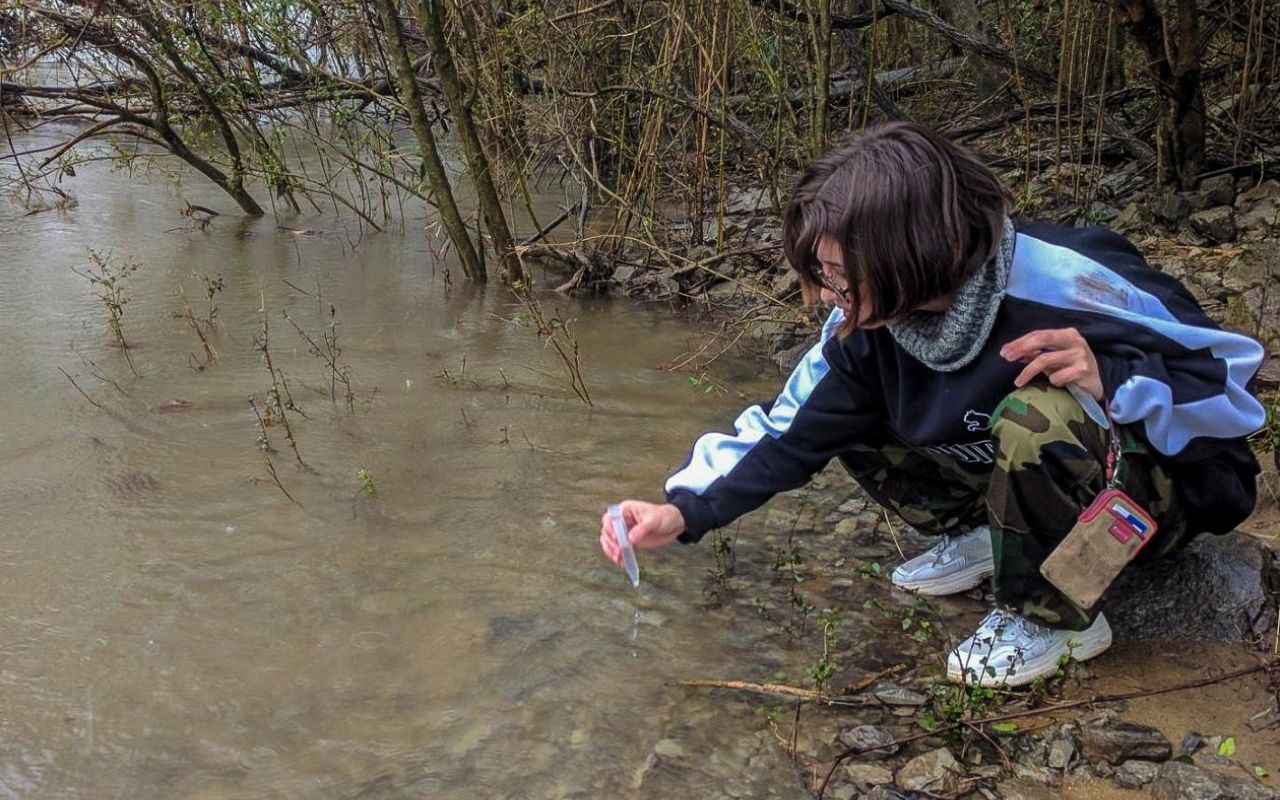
914, 213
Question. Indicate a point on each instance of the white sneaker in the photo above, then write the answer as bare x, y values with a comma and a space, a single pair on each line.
954, 564
1011, 650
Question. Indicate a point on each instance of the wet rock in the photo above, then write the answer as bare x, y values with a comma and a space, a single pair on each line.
1134, 774
1134, 216
624, 275
788, 358
1219, 190
1215, 588
1177, 781
936, 772
1176, 206
724, 292
1022, 789
868, 774
1217, 224
1061, 753
861, 736
1191, 744
1259, 219
1117, 740
898, 696
1037, 774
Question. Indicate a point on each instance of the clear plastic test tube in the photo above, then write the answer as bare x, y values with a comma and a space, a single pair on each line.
624, 542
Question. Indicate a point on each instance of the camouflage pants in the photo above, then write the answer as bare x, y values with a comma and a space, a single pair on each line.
1049, 465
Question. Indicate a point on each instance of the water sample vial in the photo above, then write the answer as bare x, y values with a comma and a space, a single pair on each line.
624, 542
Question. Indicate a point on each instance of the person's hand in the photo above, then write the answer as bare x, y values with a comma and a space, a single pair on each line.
651, 526
1062, 355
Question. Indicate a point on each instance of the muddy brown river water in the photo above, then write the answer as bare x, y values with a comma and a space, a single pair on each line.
172, 626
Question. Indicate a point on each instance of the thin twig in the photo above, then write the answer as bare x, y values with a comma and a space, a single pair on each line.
81, 391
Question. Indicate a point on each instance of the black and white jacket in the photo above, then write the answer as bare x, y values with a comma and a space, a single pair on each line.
1168, 371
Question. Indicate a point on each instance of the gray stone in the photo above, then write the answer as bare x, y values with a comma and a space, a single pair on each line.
1176, 206
863, 774
1134, 216
723, 292
1177, 781
788, 358
1217, 224
1116, 741
1023, 789
898, 696
1061, 753
1260, 218
936, 772
1134, 774
1219, 190
861, 736
1100, 212
1269, 189
1035, 774
786, 283
1214, 589
844, 791
625, 274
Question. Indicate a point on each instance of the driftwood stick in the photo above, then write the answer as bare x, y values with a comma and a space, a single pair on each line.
783, 690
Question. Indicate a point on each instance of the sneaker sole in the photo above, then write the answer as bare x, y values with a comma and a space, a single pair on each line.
1088, 644
959, 582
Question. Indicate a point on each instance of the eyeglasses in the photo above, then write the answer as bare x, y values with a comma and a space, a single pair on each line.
825, 282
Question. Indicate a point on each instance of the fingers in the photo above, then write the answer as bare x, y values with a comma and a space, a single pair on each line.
1048, 363
608, 541
1029, 345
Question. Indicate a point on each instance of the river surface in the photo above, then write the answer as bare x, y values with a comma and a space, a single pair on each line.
172, 625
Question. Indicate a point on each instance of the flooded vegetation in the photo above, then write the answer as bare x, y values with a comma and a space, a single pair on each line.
322, 357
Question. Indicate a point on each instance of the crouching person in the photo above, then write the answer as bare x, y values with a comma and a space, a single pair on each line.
985, 379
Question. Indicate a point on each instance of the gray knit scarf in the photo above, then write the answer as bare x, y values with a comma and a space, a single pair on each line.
948, 340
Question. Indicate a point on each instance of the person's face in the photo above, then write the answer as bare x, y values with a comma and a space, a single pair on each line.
834, 288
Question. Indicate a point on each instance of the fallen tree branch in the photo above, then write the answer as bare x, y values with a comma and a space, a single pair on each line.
848, 697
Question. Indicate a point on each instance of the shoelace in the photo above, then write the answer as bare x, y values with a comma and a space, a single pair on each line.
1004, 626
941, 549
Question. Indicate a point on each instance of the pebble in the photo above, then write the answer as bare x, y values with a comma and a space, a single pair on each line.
935, 771
1116, 741
868, 774
898, 696
1135, 774
1061, 753
869, 736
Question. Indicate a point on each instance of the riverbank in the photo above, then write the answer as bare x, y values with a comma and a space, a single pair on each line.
811, 570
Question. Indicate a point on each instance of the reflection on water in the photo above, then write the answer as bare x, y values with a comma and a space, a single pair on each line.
174, 626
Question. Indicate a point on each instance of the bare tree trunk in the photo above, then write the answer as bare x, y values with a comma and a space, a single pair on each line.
1174, 63
431, 17
411, 97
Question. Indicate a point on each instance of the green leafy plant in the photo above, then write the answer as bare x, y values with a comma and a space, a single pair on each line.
365, 484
